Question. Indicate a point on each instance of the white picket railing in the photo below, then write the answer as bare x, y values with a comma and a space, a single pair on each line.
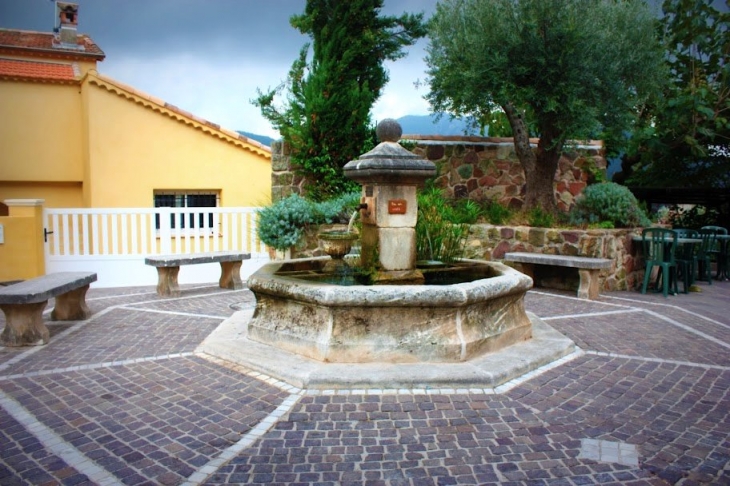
114, 241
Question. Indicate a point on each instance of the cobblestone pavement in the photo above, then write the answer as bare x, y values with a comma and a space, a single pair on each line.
123, 398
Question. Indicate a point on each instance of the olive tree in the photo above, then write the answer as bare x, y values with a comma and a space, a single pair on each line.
575, 68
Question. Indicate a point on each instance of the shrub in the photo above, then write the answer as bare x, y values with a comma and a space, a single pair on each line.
540, 218
441, 229
608, 202
497, 214
336, 210
283, 224
466, 211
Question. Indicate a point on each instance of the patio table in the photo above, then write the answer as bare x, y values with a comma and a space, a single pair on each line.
680, 241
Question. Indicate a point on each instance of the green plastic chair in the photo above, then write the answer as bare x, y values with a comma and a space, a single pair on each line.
718, 229
686, 258
705, 253
660, 246
716, 253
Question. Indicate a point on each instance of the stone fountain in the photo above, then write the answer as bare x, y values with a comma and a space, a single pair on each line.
463, 325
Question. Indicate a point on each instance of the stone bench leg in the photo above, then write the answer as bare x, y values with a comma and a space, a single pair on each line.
167, 281
24, 325
526, 268
231, 275
588, 288
71, 306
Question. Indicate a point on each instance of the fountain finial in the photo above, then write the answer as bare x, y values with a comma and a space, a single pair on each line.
389, 163
389, 130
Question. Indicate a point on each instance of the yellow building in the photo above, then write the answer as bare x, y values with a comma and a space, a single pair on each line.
76, 138
73, 138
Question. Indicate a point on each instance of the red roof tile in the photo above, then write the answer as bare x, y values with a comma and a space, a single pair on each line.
16, 69
25, 41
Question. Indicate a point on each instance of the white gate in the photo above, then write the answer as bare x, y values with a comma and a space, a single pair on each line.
113, 242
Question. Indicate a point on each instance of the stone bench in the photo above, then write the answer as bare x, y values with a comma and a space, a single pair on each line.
23, 304
168, 266
588, 268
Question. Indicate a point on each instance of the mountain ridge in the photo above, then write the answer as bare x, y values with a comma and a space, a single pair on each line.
411, 125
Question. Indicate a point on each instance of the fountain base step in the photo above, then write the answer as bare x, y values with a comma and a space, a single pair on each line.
230, 342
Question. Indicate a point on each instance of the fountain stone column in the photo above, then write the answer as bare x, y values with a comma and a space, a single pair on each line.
390, 176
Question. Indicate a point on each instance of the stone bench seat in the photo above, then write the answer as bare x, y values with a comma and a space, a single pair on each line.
23, 304
168, 267
588, 268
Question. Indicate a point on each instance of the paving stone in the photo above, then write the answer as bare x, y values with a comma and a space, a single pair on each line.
653, 383
132, 392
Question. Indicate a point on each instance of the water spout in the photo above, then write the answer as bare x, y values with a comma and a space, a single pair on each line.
352, 220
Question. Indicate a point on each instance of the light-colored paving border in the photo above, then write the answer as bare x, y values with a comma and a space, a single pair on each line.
252, 436
94, 366
659, 360
57, 445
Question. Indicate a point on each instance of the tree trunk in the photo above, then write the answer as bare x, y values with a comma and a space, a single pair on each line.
540, 185
539, 166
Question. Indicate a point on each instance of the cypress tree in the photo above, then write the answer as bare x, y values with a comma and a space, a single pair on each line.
326, 118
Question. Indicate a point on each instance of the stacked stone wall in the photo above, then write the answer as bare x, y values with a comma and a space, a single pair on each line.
490, 242
482, 168
284, 178
478, 168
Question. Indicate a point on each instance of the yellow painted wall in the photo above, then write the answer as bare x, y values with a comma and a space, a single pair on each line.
134, 150
21, 253
56, 194
40, 133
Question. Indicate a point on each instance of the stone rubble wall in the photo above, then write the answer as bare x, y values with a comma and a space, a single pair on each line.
479, 168
284, 179
487, 168
491, 242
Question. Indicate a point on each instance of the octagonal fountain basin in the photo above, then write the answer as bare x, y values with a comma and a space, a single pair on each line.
464, 311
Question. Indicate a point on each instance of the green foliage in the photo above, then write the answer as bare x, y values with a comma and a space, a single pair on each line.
684, 134
442, 229
498, 125
466, 211
326, 116
596, 175
608, 202
283, 224
694, 217
602, 225
574, 68
497, 214
539, 218
407, 144
336, 210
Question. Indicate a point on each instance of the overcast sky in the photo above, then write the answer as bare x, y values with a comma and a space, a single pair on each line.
209, 56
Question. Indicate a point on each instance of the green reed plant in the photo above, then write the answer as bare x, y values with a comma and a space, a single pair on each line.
496, 213
442, 229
